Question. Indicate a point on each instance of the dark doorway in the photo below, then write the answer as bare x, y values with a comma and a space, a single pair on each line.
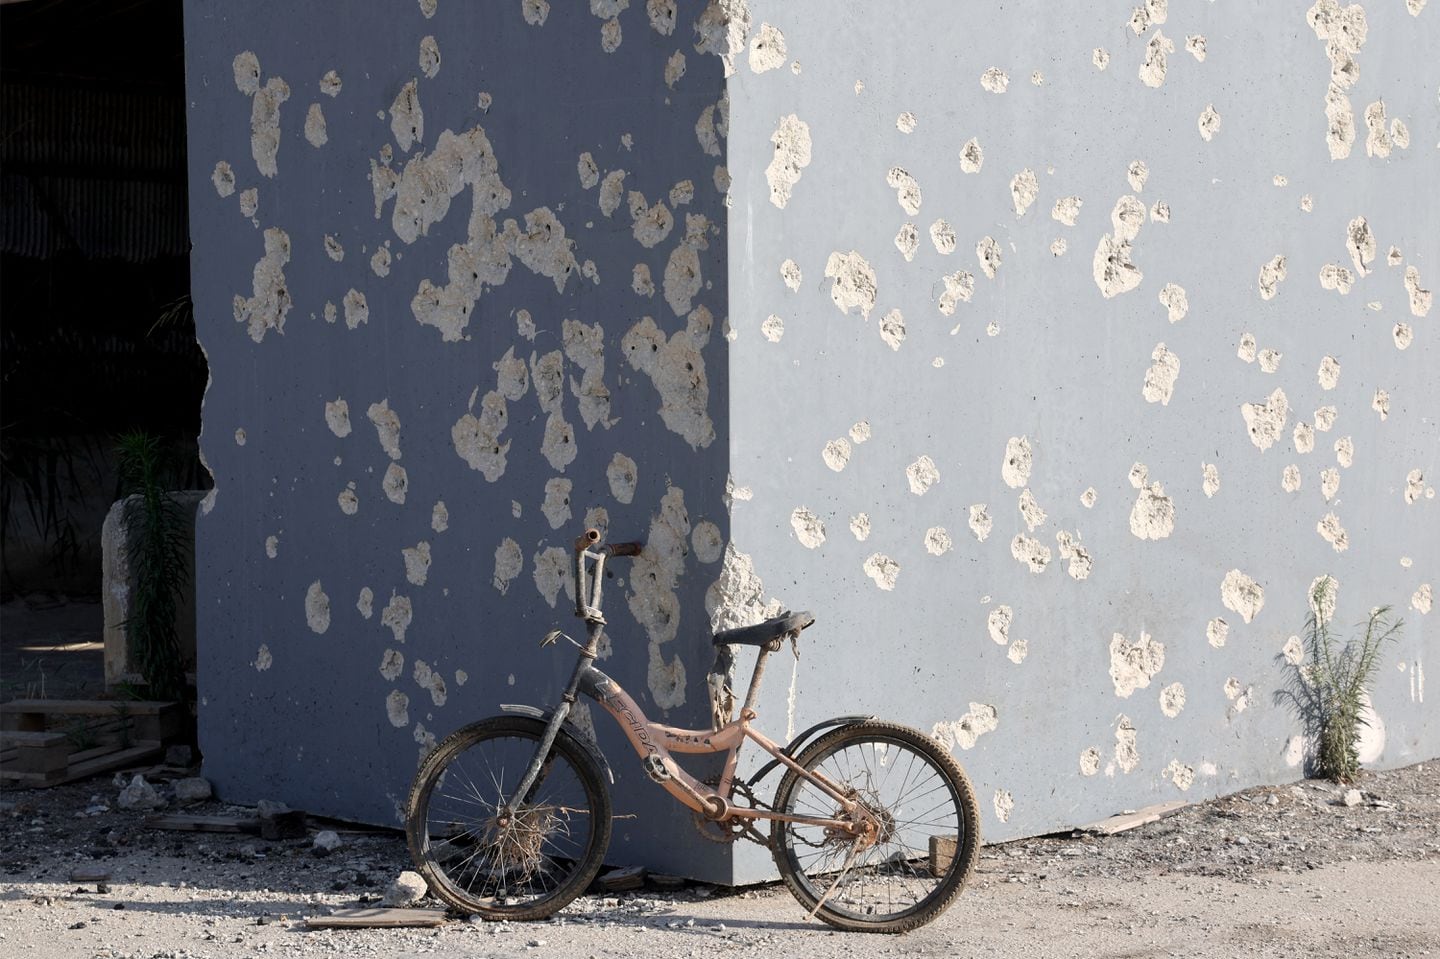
96, 331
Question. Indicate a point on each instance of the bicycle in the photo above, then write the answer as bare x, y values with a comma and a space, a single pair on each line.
874, 826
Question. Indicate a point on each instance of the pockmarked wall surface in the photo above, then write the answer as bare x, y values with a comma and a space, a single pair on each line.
1103, 332
1050, 356
459, 271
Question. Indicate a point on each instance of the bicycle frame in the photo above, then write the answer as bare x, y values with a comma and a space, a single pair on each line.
655, 742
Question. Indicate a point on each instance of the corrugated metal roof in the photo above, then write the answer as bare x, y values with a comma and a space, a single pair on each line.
100, 171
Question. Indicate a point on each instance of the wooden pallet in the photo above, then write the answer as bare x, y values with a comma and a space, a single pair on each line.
56, 768
160, 721
46, 742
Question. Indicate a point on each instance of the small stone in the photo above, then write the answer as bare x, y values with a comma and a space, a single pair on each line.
407, 889
140, 795
279, 821
326, 842
618, 880
1274, 800
193, 789
1352, 797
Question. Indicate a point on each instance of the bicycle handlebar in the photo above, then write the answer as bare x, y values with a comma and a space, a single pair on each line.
591, 537
587, 595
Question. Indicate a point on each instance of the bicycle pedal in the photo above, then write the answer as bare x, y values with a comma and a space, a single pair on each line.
655, 769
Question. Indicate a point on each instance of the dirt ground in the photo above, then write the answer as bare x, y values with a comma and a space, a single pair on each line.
1274, 871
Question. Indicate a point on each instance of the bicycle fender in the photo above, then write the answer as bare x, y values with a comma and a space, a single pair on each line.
568, 730
795, 745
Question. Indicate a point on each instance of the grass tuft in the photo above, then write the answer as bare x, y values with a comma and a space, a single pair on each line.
1335, 682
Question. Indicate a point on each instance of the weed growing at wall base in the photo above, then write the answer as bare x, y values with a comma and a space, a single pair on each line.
1331, 687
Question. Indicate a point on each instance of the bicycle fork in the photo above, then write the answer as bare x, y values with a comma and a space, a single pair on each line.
587, 607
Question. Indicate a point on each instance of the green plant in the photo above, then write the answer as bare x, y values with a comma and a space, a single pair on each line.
1334, 683
43, 474
81, 734
156, 543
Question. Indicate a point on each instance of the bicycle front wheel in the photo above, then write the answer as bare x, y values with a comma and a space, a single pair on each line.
928, 838
482, 849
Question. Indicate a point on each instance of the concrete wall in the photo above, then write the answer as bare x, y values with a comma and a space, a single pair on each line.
117, 584
1054, 432
1021, 456
460, 276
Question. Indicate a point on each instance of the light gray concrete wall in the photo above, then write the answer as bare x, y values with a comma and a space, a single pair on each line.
459, 270
1017, 513
823, 417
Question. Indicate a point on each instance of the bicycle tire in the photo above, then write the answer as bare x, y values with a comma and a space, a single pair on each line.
905, 858
539, 862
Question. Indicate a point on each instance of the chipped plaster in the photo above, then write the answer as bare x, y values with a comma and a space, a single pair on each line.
438, 300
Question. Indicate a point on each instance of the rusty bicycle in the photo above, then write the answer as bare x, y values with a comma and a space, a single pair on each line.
873, 827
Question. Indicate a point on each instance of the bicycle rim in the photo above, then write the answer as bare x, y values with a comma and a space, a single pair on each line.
928, 837
523, 863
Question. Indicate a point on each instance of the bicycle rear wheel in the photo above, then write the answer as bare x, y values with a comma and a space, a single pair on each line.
929, 834
527, 865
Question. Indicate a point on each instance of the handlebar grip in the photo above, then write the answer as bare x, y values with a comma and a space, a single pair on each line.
586, 540
626, 549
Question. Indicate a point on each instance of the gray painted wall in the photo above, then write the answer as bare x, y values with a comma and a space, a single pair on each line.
1039, 352
308, 693
921, 618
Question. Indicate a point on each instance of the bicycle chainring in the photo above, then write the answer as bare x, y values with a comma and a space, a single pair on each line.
727, 832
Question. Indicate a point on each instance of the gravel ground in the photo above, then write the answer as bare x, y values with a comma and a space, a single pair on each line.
1273, 871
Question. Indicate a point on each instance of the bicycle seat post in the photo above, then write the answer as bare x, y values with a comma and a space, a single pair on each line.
748, 710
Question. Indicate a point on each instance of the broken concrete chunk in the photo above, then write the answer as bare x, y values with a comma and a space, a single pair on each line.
139, 794
193, 789
406, 889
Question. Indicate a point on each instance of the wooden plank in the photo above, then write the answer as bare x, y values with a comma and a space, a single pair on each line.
123, 757
86, 707
377, 918
32, 779
1133, 820
44, 757
34, 722
181, 823
618, 880
85, 755
37, 740
942, 853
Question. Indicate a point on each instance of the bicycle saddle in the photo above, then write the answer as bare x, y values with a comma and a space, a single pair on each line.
762, 634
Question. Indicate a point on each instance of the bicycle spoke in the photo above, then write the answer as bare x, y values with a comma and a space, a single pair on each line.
484, 851
907, 800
